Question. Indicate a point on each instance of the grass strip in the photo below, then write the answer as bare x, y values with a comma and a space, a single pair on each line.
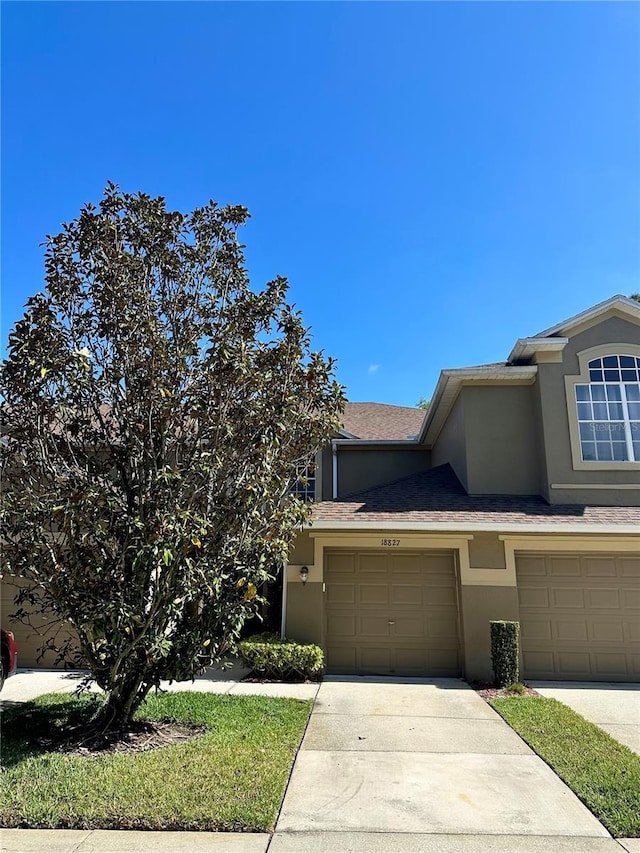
603, 773
231, 777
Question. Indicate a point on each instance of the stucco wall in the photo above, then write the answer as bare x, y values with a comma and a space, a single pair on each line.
304, 612
301, 554
490, 440
486, 551
502, 441
480, 605
450, 445
363, 467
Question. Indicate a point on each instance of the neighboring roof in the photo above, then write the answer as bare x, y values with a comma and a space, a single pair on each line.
373, 421
436, 498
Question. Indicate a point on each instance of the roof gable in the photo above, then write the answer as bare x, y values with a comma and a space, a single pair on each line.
621, 305
521, 364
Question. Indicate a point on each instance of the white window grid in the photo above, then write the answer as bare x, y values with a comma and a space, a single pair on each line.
609, 410
304, 486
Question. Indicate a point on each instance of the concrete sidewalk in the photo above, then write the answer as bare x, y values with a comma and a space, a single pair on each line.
27, 684
124, 841
613, 707
102, 841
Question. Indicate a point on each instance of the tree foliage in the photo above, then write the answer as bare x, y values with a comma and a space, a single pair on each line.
155, 410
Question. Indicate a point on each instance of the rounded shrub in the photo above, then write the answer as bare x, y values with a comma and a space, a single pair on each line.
284, 660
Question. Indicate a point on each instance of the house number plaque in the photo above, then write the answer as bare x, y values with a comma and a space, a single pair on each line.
390, 543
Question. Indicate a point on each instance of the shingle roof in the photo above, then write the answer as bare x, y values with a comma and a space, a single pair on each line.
381, 421
437, 496
491, 364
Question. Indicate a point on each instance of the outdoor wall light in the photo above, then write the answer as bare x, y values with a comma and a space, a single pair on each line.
304, 575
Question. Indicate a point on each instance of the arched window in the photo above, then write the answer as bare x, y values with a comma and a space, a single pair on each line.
609, 410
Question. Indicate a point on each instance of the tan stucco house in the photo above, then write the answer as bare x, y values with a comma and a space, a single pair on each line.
517, 496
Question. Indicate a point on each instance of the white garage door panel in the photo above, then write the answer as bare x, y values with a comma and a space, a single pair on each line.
580, 615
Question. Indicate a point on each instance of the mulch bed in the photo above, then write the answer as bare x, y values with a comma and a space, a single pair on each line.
140, 736
256, 678
490, 691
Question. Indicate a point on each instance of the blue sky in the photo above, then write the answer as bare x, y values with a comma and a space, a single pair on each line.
435, 179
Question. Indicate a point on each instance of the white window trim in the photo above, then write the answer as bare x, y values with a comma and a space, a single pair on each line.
583, 378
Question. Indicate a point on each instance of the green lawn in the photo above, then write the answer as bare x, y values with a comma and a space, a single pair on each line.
231, 777
602, 772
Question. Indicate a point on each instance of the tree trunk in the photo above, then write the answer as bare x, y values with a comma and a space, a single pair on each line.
123, 700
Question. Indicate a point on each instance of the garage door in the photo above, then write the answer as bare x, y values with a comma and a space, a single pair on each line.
580, 615
392, 613
29, 637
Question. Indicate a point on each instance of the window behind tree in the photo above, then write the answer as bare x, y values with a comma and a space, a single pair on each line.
305, 484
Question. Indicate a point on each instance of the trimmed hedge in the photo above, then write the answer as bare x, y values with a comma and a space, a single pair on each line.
505, 652
269, 656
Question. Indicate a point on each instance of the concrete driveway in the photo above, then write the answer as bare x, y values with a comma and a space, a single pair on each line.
613, 707
423, 765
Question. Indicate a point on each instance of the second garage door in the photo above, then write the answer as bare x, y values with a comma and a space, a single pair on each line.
580, 616
392, 613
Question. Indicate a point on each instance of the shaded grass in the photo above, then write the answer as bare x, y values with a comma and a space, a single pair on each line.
603, 773
232, 777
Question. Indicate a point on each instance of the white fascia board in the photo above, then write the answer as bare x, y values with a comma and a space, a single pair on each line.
624, 303
504, 373
528, 347
433, 406
530, 529
452, 379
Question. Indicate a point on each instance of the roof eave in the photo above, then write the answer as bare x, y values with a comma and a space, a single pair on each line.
533, 527
450, 382
526, 349
624, 303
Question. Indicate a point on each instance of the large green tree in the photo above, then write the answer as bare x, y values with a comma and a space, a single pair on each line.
155, 411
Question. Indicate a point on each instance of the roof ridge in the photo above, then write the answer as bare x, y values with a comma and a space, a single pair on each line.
389, 405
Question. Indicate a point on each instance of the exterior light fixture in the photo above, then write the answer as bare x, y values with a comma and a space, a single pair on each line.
304, 575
